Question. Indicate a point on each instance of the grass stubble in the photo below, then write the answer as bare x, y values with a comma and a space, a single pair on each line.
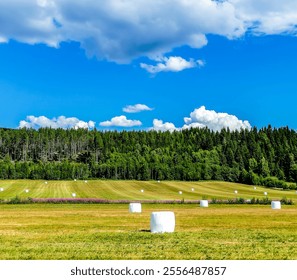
110, 232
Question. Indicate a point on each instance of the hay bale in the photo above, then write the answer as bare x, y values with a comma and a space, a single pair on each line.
135, 207
235, 192
203, 203
265, 193
180, 192
255, 188
162, 222
275, 204
1, 189
26, 191
142, 190
192, 189
73, 194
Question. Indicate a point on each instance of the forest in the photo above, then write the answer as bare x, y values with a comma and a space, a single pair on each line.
266, 156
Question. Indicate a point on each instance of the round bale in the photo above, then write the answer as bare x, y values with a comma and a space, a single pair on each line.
135, 207
163, 221
203, 203
275, 204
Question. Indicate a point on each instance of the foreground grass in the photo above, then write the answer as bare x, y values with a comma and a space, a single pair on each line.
110, 232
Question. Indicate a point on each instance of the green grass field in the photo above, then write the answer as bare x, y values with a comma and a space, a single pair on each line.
132, 190
109, 231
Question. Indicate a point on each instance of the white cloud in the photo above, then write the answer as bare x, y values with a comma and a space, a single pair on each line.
118, 30
159, 125
136, 108
3, 40
201, 117
215, 121
124, 30
267, 16
172, 64
121, 121
60, 122
29, 21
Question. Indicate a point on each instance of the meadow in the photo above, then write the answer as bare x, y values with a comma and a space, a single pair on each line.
109, 231
131, 190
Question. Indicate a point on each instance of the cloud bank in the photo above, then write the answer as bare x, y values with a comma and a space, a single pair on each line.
60, 122
199, 118
121, 31
202, 117
136, 108
121, 121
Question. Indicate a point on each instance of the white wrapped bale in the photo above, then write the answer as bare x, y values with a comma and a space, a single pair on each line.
265, 193
203, 203
275, 204
73, 194
135, 207
235, 192
162, 222
180, 192
26, 191
1, 189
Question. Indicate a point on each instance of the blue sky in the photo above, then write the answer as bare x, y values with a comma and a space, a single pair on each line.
205, 64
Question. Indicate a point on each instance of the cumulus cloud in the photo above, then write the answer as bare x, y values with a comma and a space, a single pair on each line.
29, 21
121, 121
119, 30
136, 108
201, 117
159, 125
172, 64
267, 16
60, 122
215, 121
124, 30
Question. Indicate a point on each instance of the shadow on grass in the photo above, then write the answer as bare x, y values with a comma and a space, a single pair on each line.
144, 230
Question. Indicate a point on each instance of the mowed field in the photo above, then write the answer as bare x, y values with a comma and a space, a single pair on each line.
109, 231
131, 190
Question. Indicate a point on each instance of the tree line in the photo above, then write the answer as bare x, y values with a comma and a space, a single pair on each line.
266, 156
